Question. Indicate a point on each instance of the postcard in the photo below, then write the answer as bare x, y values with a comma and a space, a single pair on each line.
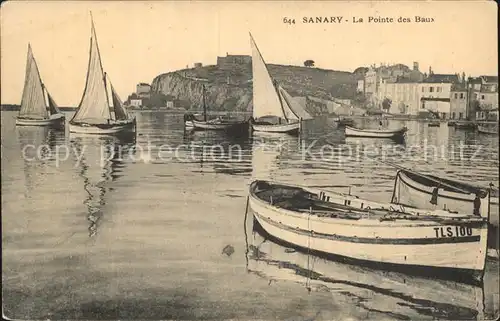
249, 160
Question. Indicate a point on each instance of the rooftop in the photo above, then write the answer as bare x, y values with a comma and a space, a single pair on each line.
442, 78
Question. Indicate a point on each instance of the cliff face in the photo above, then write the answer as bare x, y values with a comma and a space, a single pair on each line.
218, 96
231, 90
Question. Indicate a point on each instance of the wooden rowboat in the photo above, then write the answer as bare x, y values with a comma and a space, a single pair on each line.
411, 189
376, 133
371, 232
465, 125
218, 123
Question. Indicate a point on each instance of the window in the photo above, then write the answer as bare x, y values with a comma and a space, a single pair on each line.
475, 96
453, 115
456, 96
423, 89
461, 96
438, 89
460, 115
482, 97
431, 89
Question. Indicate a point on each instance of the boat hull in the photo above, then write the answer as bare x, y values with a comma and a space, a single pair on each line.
410, 192
407, 242
292, 128
54, 120
222, 126
392, 134
115, 128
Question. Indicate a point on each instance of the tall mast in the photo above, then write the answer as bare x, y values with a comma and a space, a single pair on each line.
204, 105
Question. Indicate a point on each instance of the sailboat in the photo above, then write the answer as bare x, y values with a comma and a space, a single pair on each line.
94, 115
38, 108
274, 110
216, 123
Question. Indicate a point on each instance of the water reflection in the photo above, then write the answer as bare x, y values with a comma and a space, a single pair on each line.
100, 160
395, 294
38, 152
220, 151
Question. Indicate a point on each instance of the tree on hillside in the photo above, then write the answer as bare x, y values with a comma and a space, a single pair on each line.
360, 71
309, 63
386, 104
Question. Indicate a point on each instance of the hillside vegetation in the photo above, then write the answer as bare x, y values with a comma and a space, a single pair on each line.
231, 89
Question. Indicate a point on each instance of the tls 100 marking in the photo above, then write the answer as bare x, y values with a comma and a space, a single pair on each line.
453, 232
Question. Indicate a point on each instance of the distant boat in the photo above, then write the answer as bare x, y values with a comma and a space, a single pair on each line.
217, 123
434, 123
465, 125
38, 108
376, 133
94, 115
487, 130
274, 110
371, 232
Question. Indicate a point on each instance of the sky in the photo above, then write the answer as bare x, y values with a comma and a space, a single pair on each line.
139, 40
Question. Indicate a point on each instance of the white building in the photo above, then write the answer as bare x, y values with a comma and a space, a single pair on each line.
136, 102
435, 93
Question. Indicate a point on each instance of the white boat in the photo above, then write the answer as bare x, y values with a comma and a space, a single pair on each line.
271, 100
487, 130
94, 115
376, 133
381, 234
38, 108
432, 192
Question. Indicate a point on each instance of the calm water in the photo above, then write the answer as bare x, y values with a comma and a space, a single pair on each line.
104, 228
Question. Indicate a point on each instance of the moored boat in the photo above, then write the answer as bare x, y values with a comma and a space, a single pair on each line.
271, 100
432, 192
465, 125
492, 130
217, 123
434, 123
376, 133
371, 232
94, 115
38, 108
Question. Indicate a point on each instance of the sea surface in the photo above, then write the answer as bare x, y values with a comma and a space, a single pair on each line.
155, 226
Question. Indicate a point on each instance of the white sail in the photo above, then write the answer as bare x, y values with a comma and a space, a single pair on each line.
265, 98
119, 111
53, 108
33, 103
295, 109
94, 106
